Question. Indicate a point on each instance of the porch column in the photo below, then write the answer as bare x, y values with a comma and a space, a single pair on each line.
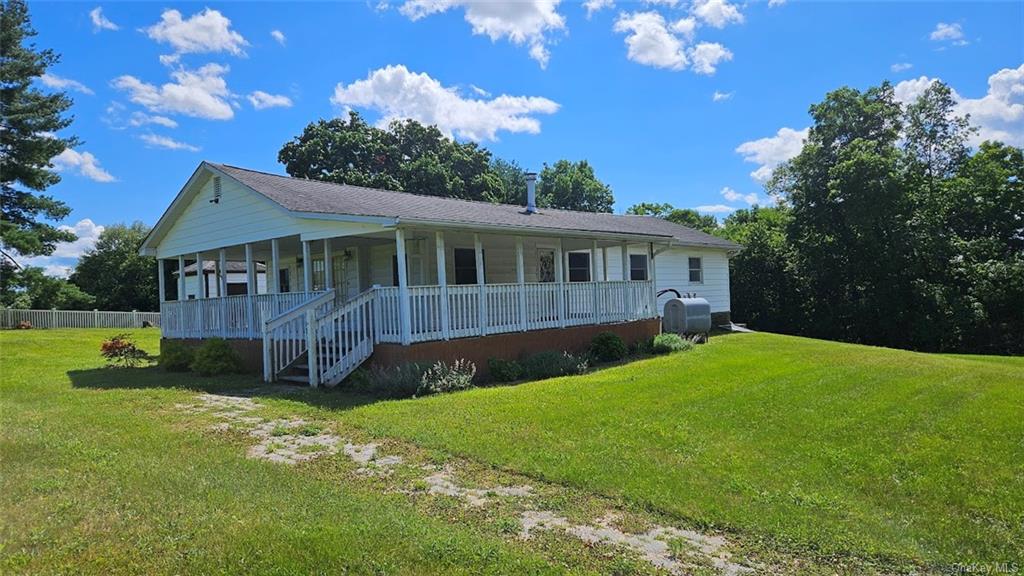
627, 313
181, 297
594, 312
521, 280
653, 275
404, 309
250, 291
442, 281
307, 267
478, 248
604, 264
201, 293
160, 275
275, 266
222, 286
560, 275
328, 268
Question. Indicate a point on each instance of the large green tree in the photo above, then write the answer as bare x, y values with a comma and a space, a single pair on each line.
406, 156
28, 142
513, 182
683, 216
116, 274
31, 288
573, 186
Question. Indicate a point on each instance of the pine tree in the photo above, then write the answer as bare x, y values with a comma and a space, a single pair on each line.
29, 120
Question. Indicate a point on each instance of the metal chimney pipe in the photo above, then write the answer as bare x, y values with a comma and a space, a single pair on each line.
531, 192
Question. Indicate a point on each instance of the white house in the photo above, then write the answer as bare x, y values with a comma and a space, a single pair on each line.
210, 285
478, 279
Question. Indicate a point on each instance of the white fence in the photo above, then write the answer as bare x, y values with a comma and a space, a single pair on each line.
11, 317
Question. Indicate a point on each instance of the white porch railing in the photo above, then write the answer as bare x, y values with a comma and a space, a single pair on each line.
286, 336
229, 317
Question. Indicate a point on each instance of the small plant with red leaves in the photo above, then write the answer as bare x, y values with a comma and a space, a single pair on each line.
122, 352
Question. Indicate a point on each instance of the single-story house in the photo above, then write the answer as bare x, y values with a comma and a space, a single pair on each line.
357, 272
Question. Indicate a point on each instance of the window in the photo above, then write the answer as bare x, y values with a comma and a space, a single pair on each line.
579, 267
465, 265
546, 266
638, 266
696, 271
284, 280
319, 279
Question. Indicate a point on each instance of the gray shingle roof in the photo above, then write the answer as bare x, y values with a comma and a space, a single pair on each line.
313, 196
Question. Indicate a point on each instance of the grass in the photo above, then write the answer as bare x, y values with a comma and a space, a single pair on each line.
830, 449
844, 455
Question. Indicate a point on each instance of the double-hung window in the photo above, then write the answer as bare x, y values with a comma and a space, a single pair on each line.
638, 266
579, 266
465, 265
696, 270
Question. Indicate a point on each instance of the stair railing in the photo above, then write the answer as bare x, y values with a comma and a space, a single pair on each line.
343, 338
286, 337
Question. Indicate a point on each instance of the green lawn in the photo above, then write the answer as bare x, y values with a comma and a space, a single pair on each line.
816, 446
833, 453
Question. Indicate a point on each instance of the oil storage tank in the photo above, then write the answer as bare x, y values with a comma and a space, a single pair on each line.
687, 316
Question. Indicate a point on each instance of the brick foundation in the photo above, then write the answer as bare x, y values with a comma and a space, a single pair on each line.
510, 346
720, 318
250, 351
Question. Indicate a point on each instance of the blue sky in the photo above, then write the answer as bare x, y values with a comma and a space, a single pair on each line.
629, 86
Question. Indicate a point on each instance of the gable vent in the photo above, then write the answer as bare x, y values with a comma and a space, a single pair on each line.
216, 190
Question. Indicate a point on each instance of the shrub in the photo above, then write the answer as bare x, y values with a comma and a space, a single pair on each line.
644, 346
665, 343
24, 325
215, 358
393, 382
442, 377
550, 364
607, 347
121, 351
176, 356
504, 370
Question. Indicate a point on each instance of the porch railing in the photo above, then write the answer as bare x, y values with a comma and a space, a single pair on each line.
228, 317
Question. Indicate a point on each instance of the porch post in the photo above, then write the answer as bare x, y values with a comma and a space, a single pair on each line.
594, 312
604, 263
442, 281
160, 273
201, 292
181, 295
654, 281
307, 267
404, 312
478, 248
222, 287
627, 313
521, 280
275, 265
328, 268
250, 291
560, 275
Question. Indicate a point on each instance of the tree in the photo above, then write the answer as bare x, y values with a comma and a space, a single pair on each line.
28, 142
513, 182
573, 186
32, 288
682, 216
114, 271
406, 157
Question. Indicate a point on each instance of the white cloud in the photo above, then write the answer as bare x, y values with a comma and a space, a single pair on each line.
707, 55
732, 196
100, 22
279, 36
685, 27
771, 151
774, 3
156, 141
717, 13
649, 41
524, 23
60, 83
84, 163
201, 93
900, 67
998, 115
396, 92
714, 208
720, 96
948, 33
141, 119
479, 91
261, 100
593, 6
206, 31
66, 254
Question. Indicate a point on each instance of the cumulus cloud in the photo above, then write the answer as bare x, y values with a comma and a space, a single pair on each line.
771, 151
278, 36
714, 208
60, 83
82, 163
157, 141
720, 96
732, 196
717, 13
998, 115
593, 6
952, 33
706, 56
66, 254
206, 31
396, 93
900, 67
261, 100
100, 22
201, 93
524, 23
650, 42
